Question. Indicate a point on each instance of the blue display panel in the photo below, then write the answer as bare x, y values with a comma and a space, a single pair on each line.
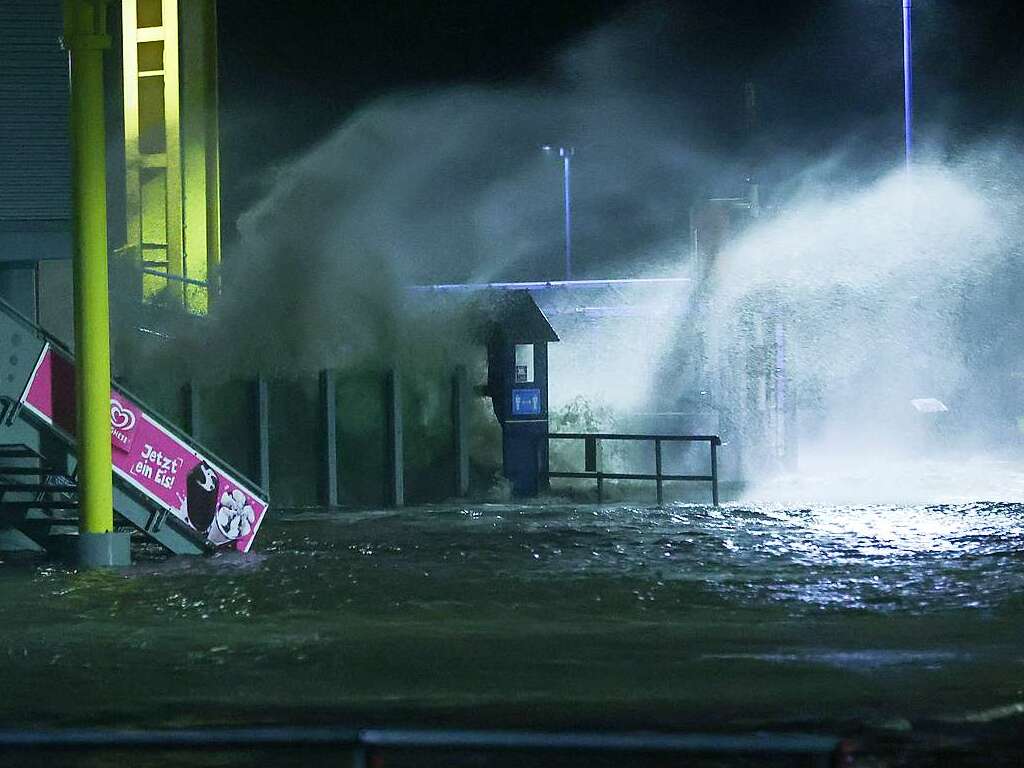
526, 402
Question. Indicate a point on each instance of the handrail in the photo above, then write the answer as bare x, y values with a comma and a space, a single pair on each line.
592, 461
151, 412
178, 278
628, 436
369, 743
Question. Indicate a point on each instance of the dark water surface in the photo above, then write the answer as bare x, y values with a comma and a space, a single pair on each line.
542, 616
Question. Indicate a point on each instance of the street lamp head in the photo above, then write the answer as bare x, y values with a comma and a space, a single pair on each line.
565, 151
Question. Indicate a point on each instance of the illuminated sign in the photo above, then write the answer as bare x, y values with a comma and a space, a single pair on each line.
526, 402
152, 459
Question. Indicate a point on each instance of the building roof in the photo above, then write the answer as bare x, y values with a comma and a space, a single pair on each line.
514, 314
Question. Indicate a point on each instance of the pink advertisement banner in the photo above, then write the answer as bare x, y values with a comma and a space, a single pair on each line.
153, 460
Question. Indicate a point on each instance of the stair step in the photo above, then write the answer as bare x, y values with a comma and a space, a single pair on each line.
42, 522
18, 452
11, 471
43, 504
37, 488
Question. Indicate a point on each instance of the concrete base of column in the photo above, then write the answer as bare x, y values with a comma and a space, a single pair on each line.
101, 550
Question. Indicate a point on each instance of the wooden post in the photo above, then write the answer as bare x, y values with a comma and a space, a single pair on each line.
395, 458
460, 426
329, 434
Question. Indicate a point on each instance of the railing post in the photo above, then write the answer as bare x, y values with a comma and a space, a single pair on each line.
190, 397
262, 397
589, 454
329, 456
460, 426
714, 471
657, 469
592, 461
396, 458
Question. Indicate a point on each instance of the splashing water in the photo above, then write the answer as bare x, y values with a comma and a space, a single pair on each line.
854, 304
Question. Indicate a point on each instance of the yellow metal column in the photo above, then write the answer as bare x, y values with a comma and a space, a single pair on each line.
85, 36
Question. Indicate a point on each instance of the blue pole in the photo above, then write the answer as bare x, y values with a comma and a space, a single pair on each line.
908, 86
566, 154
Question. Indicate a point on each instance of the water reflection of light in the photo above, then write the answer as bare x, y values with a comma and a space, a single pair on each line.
908, 530
862, 659
832, 477
896, 557
879, 558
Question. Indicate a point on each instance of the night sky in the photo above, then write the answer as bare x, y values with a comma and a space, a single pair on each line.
827, 73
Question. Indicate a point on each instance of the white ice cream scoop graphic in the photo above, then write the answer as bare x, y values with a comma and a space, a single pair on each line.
235, 517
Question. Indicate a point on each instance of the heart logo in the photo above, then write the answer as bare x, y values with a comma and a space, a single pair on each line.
120, 417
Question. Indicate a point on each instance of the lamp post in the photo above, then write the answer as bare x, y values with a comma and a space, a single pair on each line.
908, 87
566, 154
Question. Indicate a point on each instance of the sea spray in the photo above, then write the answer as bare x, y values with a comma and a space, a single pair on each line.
448, 185
877, 289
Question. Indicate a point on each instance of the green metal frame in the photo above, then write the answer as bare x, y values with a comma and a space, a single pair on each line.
169, 59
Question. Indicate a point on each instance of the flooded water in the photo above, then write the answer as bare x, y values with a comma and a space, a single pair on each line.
541, 616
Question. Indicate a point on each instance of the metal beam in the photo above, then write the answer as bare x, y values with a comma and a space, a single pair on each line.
13, 540
171, 148
172, 132
159, 525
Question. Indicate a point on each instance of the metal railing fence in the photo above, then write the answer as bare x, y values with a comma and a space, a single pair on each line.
592, 460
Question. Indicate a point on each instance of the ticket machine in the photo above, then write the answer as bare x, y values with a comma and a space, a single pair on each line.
518, 335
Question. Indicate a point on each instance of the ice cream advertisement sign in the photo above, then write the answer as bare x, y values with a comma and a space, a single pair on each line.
152, 459
122, 425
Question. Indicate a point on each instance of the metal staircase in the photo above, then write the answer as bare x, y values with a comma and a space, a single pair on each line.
38, 488
37, 498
